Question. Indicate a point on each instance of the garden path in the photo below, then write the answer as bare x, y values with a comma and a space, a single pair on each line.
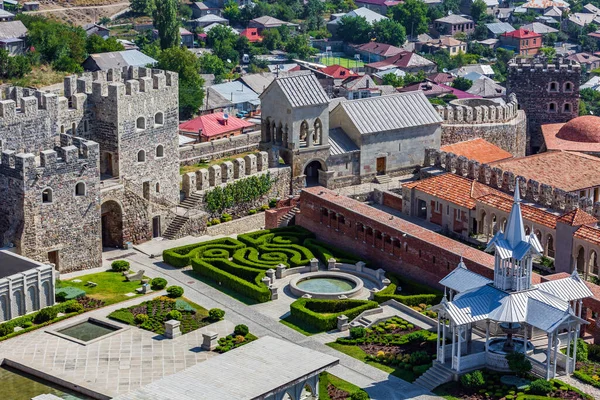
589, 389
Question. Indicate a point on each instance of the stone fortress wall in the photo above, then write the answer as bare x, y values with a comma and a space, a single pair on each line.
540, 193
503, 125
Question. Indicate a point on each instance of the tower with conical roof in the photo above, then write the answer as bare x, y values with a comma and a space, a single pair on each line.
514, 251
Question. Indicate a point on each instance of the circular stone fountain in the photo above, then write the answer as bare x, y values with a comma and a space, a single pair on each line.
326, 285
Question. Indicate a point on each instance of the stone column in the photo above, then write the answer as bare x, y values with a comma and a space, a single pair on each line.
274, 293
331, 264
342, 323
568, 365
271, 275
172, 329
314, 265
280, 270
209, 341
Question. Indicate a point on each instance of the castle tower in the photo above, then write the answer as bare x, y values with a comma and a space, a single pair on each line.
514, 251
548, 92
295, 127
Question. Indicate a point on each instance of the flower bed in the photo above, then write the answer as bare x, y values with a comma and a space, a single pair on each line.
333, 388
240, 336
151, 315
415, 295
323, 314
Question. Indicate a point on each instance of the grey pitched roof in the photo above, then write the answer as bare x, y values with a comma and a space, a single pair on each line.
369, 15
540, 28
340, 143
119, 59
396, 111
462, 280
498, 28
486, 87
454, 19
568, 289
5, 14
302, 90
258, 82
12, 29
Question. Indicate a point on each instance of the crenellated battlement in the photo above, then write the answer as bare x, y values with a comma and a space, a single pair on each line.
478, 111
76, 152
560, 65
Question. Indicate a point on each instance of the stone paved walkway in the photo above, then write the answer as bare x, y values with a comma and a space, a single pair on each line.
589, 389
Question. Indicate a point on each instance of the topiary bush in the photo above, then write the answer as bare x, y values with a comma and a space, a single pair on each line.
216, 314
518, 363
74, 307
473, 380
61, 297
141, 318
120, 265
322, 314
226, 217
175, 291
252, 211
541, 386
158, 284
273, 203
426, 294
173, 314
359, 395
241, 330
358, 332
45, 315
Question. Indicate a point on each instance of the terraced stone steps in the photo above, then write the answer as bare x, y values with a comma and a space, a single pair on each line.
435, 376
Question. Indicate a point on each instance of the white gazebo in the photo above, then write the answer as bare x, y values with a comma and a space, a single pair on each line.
486, 319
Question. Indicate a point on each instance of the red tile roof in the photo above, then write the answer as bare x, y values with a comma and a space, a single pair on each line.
251, 34
459, 93
579, 134
214, 124
453, 188
441, 77
589, 234
522, 34
530, 213
337, 71
382, 49
578, 217
477, 149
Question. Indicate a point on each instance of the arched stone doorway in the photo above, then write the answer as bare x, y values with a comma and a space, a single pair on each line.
311, 171
112, 224
580, 262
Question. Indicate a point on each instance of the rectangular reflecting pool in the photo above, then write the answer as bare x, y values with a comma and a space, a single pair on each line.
17, 385
88, 331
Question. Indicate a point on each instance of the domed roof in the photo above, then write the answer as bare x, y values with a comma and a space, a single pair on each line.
585, 129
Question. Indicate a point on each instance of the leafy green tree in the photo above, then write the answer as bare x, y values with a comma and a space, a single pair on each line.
390, 32
298, 46
480, 32
223, 42
232, 12
354, 29
518, 363
272, 39
13, 66
187, 65
314, 8
590, 102
104, 21
96, 44
478, 10
461, 83
412, 14
185, 11
393, 80
145, 7
165, 21
550, 39
211, 64
548, 52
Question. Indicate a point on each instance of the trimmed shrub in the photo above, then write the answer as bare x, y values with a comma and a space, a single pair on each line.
358, 332
473, 380
273, 203
252, 211
322, 314
181, 256
240, 191
215, 221
61, 297
74, 307
6, 329
226, 217
141, 318
421, 369
45, 315
518, 363
428, 296
29, 324
123, 315
173, 314
582, 350
241, 330
359, 395
158, 283
216, 314
594, 352
120, 265
540, 386
175, 291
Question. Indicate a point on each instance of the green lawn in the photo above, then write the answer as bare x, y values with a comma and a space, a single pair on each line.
298, 326
359, 354
344, 62
325, 378
111, 286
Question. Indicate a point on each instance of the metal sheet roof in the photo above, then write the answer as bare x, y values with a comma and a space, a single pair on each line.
235, 92
568, 289
12, 29
498, 28
386, 113
118, 59
462, 280
340, 143
302, 90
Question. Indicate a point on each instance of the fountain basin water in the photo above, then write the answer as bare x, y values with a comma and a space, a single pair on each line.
497, 345
87, 331
326, 285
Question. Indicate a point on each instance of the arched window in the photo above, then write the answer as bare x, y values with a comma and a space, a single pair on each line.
160, 151
73, 128
568, 87
553, 87
552, 107
158, 118
85, 126
62, 129
157, 187
303, 131
318, 132
47, 196
140, 123
141, 157
567, 107
80, 189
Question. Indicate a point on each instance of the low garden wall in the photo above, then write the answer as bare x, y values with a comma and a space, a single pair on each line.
189, 155
244, 224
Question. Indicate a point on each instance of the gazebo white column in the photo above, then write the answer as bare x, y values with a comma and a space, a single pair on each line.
575, 347
548, 356
460, 329
524, 338
569, 350
453, 345
580, 308
437, 341
555, 345
487, 335
444, 329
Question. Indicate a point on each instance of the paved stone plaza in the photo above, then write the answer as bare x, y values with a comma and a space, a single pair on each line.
130, 359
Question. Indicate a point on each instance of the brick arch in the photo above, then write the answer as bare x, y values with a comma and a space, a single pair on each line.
112, 224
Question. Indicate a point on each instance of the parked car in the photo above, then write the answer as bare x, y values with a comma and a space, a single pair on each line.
242, 114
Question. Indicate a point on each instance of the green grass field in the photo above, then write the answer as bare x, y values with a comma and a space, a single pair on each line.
344, 62
111, 286
326, 378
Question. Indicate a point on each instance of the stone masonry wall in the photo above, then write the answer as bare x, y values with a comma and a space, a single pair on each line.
192, 154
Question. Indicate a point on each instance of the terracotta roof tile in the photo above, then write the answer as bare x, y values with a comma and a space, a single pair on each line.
214, 124
530, 213
589, 234
578, 217
477, 149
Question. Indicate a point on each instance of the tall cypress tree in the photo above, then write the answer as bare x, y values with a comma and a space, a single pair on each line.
165, 20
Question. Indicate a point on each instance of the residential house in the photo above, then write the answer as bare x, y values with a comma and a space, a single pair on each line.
406, 61
207, 20
522, 42
448, 43
251, 34
31, 6
591, 9
200, 9
231, 97
187, 37
441, 77
496, 29
540, 6
118, 60
491, 43
6, 16
553, 12
397, 72
579, 20
487, 88
209, 127
453, 24
12, 37
95, 29
370, 16
540, 28
267, 22
374, 51
429, 89
379, 6
491, 6
587, 60
482, 69
359, 87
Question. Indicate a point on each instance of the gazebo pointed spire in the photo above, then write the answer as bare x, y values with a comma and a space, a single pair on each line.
515, 229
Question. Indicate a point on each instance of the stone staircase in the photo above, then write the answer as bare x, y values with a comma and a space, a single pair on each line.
382, 179
285, 219
191, 201
435, 376
174, 227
